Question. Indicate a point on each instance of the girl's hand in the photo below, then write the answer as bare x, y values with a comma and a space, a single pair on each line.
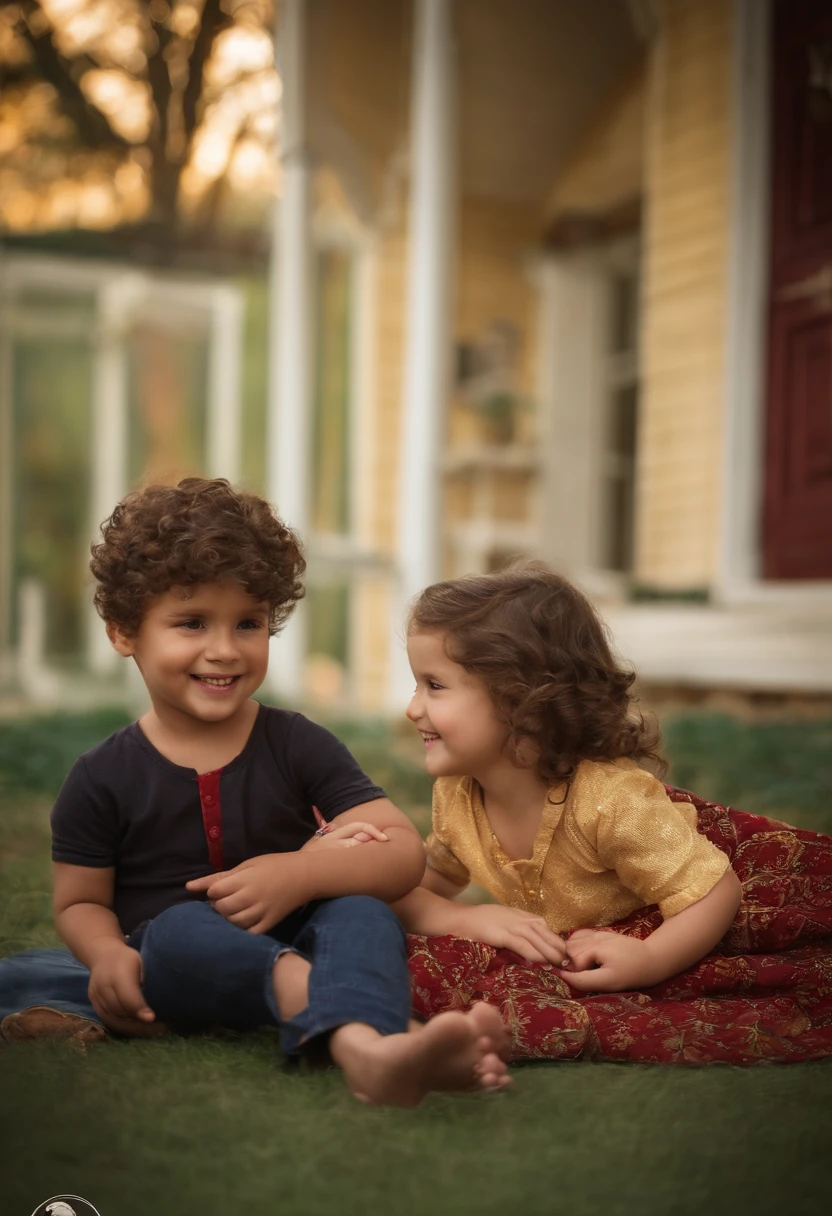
115, 992
512, 929
345, 837
609, 962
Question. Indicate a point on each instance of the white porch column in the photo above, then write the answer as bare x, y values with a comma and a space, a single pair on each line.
427, 320
116, 301
290, 382
225, 383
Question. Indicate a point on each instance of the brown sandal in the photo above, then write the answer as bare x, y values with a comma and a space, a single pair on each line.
42, 1022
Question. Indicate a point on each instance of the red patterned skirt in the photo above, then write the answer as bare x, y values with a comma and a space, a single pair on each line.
764, 994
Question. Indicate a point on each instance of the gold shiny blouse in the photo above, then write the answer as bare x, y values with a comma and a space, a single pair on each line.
615, 843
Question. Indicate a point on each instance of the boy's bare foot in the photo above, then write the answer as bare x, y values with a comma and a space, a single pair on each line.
454, 1051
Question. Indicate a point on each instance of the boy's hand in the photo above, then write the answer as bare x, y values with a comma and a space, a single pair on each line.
345, 837
115, 992
513, 929
257, 894
601, 961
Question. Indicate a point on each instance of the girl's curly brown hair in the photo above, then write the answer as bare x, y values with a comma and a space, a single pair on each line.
199, 531
543, 654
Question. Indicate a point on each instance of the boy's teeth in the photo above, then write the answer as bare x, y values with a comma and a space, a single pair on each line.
221, 680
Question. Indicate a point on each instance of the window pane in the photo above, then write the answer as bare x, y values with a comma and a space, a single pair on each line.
620, 486
624, 314
331, 430
52, 387
328, 609
167, 376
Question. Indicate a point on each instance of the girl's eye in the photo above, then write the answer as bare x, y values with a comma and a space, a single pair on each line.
434, 687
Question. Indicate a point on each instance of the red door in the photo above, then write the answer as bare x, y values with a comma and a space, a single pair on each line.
797, 528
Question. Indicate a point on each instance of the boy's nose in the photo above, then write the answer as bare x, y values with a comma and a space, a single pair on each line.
221, 647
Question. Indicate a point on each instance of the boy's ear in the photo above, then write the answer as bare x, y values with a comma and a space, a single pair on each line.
120, 641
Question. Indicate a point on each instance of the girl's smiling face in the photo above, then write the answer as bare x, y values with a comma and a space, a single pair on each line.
454, 713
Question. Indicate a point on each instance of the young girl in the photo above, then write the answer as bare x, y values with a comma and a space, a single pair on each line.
531, 735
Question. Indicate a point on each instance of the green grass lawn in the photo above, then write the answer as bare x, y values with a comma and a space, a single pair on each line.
220, 1126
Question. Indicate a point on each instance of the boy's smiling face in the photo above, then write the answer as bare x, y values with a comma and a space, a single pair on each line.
202, 651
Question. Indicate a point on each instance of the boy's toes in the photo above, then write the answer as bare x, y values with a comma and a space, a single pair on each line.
491, 1072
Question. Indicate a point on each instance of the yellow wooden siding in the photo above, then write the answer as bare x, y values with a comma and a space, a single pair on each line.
493, 239
606, 168
491, 285
684, 294
371, 606
391, 261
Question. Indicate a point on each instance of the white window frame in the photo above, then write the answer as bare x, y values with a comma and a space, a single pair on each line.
354, 555
123, 295
576, 379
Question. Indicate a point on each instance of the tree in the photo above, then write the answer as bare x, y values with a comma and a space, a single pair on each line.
157, 101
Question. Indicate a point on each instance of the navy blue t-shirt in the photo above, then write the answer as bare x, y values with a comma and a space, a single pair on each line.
124, 804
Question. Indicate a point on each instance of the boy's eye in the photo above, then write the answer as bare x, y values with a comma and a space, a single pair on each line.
191, 625
250, 625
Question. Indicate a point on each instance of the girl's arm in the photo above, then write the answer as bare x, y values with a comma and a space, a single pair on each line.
688, 936
611, 962
430, 910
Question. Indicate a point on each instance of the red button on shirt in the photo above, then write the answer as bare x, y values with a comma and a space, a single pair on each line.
209, 796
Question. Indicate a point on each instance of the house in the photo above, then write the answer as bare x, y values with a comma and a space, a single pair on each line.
591, 322
554, 279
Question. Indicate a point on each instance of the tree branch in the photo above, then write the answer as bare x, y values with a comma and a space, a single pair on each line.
158, 76
214, 21
92, 126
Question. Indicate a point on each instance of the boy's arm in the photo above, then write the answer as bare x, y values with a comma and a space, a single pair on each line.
84, 917
385, 869
82, 903
262, 891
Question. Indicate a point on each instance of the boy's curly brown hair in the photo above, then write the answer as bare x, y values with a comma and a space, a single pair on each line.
199, 531
543, 654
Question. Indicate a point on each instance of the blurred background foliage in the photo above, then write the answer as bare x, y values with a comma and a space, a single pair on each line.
782, 769
161, 115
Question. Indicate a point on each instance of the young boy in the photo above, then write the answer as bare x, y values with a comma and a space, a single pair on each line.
191, 885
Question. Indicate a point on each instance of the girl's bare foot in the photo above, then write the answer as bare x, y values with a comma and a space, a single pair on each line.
454, 1051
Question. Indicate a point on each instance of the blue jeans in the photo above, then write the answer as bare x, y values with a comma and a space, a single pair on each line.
200, 971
